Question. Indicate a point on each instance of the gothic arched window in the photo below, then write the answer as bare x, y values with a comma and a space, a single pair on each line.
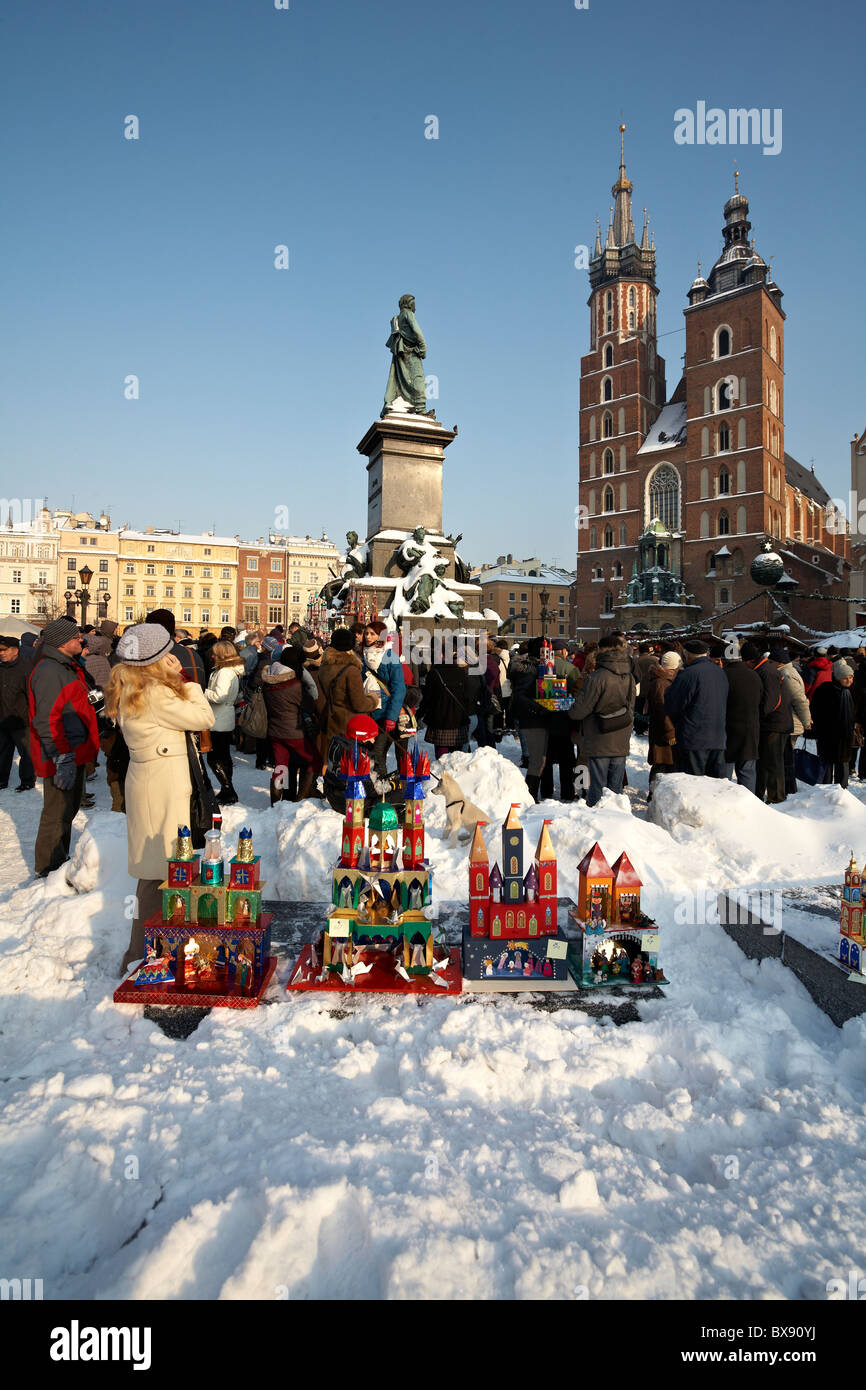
607, 504
724, 524
607, 425
631, 298
724, 439
608, 460
724, 481
608, 355
631, 320
607, 389
723, 395
723, 343
664, 497
608, 537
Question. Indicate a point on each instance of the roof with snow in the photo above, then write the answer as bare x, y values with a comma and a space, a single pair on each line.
625, 873
669, 430
544, 575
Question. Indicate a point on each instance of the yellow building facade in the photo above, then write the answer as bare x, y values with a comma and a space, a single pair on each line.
195, 576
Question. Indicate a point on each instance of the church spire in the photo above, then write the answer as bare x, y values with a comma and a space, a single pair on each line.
623, 222
597, 250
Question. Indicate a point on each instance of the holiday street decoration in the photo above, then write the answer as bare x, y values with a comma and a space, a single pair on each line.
211, 944
852, 927
617, 943
512, 939
552, 690
377, 935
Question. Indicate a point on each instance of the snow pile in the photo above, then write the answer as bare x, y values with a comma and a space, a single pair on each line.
474, 1147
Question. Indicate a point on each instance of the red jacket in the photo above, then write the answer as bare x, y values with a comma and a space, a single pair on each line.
821, 670
62, 719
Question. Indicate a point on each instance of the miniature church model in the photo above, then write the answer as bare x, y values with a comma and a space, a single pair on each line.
378, 934
852, 929
513, 915
211, 944
617, 943
551, 690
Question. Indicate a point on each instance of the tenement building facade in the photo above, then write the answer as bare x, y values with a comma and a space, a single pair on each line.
679, 494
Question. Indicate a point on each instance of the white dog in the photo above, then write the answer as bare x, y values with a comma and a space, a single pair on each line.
460, 814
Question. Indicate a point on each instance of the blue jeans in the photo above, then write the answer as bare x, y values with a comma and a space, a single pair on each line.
604, 772
747, 773
702, 762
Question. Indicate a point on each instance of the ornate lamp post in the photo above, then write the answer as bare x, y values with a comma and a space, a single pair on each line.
546, 614
82, 595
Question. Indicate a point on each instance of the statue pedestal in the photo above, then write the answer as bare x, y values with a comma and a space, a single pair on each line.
405, 454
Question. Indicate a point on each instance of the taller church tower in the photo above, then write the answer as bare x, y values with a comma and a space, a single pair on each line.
622, 388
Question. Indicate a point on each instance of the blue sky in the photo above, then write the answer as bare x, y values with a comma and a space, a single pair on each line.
306, 127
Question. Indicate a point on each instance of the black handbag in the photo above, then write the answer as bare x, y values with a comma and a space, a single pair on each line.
202, 802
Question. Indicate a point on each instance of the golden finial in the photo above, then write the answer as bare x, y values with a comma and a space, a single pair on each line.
736, 178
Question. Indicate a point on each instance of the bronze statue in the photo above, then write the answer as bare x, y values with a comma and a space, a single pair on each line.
408, 350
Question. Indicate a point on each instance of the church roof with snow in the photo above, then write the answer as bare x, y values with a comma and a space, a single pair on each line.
804, 479
669, 430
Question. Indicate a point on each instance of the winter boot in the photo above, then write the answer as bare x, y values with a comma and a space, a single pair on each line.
305, 783
290, 790
533, 784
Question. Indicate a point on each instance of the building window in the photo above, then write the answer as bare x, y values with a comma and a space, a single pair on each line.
103, 567
608, 355
276, 565
723, 596
70, 563
225, 593
511, 598
608, 537
205, 615
151, 549
724, 524
724, 439
593, 538
296, 598
186, 615
130, 568
607, 425
608, 460
622, 540
16, 576
169, 569
724, 482
631, 320
150, 569
15, 605
252, 562
523, 598
664, 497
149, 591
773, 343
206, 572
128, 613
275, 615
188, 571
723, 344
224, 616
608, 602
225, 572
723, 396
607, 389
187, 591
169, 591
205, 593
607, 503
275, 590
129, 591
207, 550
251, 588
522, 628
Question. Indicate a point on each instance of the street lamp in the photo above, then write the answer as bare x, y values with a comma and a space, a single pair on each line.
546, 614
82, 595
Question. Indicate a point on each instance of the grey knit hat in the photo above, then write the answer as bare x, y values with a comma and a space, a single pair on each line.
144, 644
58, 631
841, 670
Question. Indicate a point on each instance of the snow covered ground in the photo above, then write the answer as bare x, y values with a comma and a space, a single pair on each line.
478, 1147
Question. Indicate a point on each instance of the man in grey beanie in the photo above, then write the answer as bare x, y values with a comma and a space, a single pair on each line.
64, 738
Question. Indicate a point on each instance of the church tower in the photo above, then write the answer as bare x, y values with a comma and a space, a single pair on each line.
622, 388
735, 425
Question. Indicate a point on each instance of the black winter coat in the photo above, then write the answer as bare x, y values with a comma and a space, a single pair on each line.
284, 695
445, 703
833, 721
743, 716
776, 717
14, 676
523, 674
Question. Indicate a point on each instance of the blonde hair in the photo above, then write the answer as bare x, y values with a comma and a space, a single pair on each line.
128, 687
225, 654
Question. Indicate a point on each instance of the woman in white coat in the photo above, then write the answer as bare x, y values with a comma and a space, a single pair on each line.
154, 707
222, 691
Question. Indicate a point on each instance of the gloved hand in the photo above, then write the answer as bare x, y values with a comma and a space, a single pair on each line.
64, 777
390, 725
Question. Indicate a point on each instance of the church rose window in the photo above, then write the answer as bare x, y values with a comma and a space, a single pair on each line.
664, 497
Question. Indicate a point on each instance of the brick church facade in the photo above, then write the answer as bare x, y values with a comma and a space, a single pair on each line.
678, 495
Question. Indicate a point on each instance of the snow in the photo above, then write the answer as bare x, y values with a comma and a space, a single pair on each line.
668, 431
474, 1147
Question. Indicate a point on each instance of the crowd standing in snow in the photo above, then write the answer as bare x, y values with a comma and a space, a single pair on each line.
736, 709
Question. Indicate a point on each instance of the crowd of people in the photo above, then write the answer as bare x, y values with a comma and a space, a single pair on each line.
70, 695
